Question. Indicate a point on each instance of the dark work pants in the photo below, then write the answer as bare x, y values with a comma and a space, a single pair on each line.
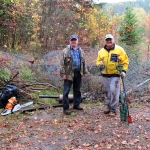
76, 91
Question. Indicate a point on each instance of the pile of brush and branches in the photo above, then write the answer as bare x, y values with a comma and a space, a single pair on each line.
26, 88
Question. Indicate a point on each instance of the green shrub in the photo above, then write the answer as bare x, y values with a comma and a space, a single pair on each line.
26, 73
5, 74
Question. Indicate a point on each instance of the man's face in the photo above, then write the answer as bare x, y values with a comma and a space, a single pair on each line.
74, 42
109, 42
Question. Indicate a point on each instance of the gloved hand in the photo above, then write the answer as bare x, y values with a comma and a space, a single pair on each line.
101, 65
123, 74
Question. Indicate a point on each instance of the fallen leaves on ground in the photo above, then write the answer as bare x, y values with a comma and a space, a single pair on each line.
86, 130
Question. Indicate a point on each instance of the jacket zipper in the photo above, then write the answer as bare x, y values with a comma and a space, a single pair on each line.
107, 62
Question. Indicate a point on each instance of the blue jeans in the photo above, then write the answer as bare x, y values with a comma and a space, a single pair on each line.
76, 91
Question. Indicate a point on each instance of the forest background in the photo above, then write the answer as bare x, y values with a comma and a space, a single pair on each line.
37, 30
33, 25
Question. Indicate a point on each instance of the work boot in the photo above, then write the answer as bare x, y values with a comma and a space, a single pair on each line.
106, 111
77, 107
112, 114
67, 112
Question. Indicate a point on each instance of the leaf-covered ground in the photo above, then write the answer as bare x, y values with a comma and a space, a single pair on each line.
84, 130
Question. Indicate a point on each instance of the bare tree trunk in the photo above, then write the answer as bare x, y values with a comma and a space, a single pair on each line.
13, 41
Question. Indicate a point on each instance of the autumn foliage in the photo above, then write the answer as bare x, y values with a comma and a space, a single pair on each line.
30, 25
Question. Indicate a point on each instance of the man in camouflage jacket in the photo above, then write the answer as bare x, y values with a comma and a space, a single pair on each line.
72, 68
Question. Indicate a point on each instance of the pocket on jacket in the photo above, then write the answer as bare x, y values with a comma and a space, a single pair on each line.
111, 66
114, 58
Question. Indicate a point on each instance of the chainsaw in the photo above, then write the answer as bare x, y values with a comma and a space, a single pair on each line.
15, 108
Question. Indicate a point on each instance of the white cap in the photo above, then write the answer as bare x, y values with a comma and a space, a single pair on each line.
109, 36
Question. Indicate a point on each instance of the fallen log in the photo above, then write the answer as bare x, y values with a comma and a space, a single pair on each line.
60, 97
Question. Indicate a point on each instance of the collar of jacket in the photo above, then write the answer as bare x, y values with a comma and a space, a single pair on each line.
72, 48
68, 50
108, 49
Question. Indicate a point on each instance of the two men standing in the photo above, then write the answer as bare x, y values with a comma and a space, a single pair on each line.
73, 67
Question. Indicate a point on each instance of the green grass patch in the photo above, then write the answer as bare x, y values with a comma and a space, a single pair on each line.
51, 92
73, 114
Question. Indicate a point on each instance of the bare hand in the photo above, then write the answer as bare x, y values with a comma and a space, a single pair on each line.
123, 74
101, 66
64, 77
84, 76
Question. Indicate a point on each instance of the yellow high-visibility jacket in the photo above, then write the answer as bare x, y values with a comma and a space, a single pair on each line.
110, 60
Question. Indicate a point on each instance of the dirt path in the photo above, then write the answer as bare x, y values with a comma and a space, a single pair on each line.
85, 130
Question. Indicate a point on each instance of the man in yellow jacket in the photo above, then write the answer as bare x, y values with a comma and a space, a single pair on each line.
107, 61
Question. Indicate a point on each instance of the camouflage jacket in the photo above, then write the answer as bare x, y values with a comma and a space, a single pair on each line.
66, 64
